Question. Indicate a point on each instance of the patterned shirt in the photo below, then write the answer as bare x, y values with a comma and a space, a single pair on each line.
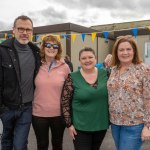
129, 95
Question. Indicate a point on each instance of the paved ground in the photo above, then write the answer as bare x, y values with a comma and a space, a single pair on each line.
107, 143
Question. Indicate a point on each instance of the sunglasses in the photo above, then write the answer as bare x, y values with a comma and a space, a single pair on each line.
49, 45
125, 37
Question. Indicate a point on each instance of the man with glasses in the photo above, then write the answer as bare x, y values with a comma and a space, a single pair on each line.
19, 64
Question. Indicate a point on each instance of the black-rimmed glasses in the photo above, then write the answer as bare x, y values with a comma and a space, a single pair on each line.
21, 30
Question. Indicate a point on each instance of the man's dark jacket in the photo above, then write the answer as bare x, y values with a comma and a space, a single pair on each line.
10, 76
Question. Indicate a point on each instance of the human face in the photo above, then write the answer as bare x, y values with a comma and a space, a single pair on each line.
23, 31
87, 60
50, 52
125, 53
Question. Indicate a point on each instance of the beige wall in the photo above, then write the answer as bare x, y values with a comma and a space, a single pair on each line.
78, 45
141, 40
104, 48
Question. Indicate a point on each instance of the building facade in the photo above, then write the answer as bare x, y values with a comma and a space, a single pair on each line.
100, 44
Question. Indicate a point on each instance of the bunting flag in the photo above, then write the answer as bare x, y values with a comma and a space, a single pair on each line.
93, 36
58, 37
32, 38
63, 36
42, 37
148, 27
68, 36
135, 31
105, 35
5, 35
83, 36
9, 35
73, 37
37, 37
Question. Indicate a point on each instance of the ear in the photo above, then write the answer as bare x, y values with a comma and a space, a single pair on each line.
14, 30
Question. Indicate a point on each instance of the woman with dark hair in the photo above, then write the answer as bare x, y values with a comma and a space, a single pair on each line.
46, 105
85, 103
129, 96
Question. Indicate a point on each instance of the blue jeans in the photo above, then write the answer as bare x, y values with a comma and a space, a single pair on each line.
127, 137
16, 127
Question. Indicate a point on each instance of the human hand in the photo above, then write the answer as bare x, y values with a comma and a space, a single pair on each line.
145, 135
72, 131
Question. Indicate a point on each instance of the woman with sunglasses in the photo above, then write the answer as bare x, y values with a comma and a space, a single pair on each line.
46, 105
129, 96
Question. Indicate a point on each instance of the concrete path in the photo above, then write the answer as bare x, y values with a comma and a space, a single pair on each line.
108, 143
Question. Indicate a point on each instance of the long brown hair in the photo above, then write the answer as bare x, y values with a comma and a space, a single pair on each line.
121, 39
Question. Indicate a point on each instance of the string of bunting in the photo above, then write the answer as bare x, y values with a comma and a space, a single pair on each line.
93, 34
83, 35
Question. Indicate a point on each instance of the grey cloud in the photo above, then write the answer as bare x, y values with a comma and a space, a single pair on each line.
126, 15
51, 12
48, 16
144, 7
83, 18
137, 10
122, 10
104, 4
128, 9
5, 26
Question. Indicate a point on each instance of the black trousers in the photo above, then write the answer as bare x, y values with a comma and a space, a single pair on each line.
41, 127
89, 140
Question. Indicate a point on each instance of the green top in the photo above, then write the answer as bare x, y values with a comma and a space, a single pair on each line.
90, 104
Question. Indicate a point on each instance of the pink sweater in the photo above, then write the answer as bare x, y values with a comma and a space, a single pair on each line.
48, 90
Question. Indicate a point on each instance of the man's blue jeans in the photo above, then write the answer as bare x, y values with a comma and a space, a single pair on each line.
16, 127
127, 137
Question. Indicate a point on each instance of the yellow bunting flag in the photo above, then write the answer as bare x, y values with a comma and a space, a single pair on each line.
148, 27
42, 37
93, 36
73, 37
58, 37
31, 38
5, 35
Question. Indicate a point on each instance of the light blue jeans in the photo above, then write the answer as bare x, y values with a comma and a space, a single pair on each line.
127, 137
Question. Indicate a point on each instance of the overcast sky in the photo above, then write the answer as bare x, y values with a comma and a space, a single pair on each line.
82, 12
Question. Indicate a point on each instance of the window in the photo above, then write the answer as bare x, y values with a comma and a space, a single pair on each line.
147, 50
147, 53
